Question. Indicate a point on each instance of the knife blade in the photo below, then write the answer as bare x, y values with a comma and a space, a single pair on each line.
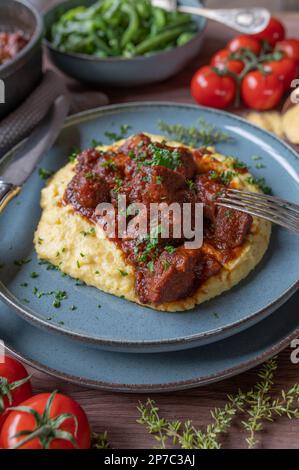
29, 154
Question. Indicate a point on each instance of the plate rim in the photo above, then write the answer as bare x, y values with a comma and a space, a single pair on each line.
24, 312
159, 388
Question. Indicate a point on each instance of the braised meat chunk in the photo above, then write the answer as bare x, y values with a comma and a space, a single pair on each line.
231, 228
85, 192
228, 228
158, 184
174, 276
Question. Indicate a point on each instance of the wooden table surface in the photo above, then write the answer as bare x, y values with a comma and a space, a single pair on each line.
117, 413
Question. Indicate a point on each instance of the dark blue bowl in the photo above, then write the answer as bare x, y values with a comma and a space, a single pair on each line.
21, 74
120, 71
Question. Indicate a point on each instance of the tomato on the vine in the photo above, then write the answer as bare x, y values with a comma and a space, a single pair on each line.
210, 88
261, 91
290, 47
15, 385
46, 421
222, 61
285, 69
273, 33
244, 42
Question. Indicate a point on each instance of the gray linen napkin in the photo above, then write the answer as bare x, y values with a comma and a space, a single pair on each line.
21, 122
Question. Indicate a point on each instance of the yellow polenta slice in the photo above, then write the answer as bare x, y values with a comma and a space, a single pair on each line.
63, 236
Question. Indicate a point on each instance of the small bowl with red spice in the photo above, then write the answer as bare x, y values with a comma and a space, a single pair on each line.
21, 31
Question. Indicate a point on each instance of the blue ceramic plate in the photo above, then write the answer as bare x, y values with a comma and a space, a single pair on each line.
164, 372
119, 324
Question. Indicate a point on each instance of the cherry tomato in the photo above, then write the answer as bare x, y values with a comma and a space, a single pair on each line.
273, 33
245, 42
290, 47
222, 60
69, 432
211, 89
15, 385
285, 69
261, 90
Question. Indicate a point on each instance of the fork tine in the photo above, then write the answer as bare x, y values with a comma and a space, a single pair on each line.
281, 202
270, 207
262, 214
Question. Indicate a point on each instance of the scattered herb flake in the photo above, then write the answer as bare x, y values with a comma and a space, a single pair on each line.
44, 173
22, 262
34, 275
123, 273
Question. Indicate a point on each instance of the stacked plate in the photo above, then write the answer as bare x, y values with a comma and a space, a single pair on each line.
106, 342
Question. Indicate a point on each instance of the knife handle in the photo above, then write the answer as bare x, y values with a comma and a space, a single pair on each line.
7, 193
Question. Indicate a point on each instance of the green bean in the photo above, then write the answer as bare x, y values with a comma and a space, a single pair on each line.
184, 38
132, 29
159, 18
121, 28
165, 36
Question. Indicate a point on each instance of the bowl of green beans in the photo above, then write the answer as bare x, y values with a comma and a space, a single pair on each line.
121, 43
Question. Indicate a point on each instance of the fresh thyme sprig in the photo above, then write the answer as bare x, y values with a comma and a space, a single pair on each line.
99, 441
203, 133
185, 434
256, 406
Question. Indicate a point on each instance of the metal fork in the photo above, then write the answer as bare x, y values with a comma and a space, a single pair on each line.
274, 209
245, 20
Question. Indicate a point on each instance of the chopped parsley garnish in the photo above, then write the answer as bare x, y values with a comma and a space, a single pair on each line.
256, 157
25, 284
40, 241
164, 157
260, 183
191, 185
96, 143
226, 176
22, 262
260, 166
34, 275
151, 266
166, 265
109, 164
159, 179
238, 164
146, 179
213, 175
170, 249
44, 173
56, 303
74, 154
123, 273
82, 255
118, 184
78, 264
151, 244
91, 231
89, 175
26, 301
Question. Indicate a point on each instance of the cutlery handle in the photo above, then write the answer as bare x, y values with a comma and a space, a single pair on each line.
7, 193
245, 20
